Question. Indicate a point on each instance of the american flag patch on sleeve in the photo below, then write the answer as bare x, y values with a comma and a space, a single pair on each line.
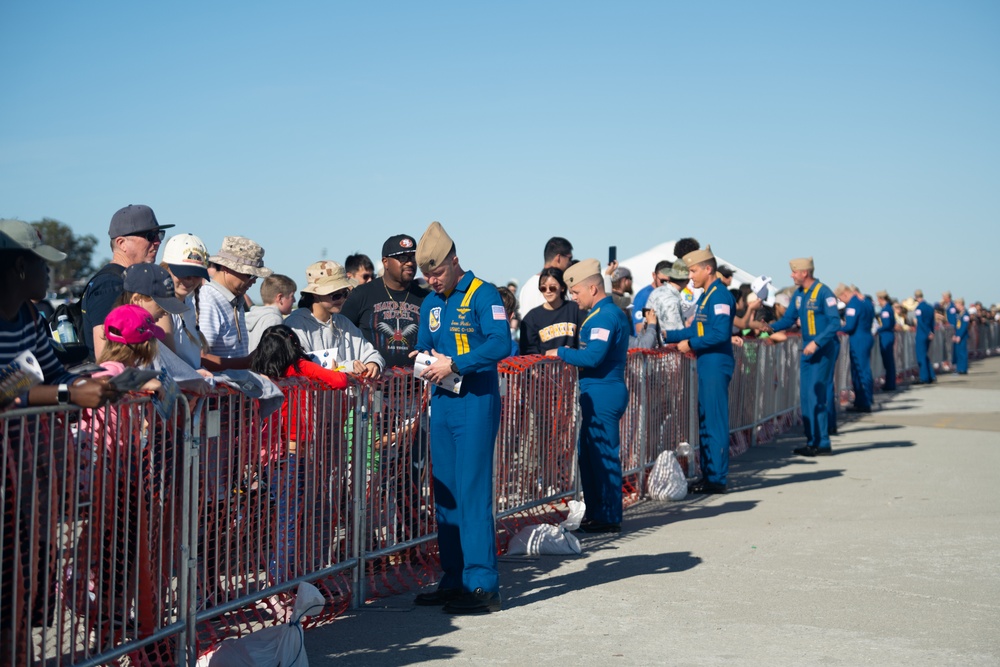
498, 313
599, 334
722, 309
831, 301
850, 311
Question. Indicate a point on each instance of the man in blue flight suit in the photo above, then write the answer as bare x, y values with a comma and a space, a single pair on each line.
924, 316
710, 337
961, 338
887, 339
858, 318
464, 327
815, 306
603, 395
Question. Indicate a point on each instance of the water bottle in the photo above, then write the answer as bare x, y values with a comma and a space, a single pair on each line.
65, 333
685, 457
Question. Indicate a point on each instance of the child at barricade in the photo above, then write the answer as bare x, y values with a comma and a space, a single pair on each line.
280, 355
114, 440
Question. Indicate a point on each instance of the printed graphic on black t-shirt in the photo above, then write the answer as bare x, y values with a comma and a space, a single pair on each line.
388, 319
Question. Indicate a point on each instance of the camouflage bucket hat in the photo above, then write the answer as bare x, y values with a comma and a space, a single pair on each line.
242, 255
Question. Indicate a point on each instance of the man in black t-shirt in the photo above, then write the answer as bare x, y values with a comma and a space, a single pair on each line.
136, 235
387, 309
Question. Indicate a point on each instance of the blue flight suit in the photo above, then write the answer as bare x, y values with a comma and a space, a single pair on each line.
638, 303
601, 359
962, 346
951, 314
887, 344
710, 337
817, 308
858, 326
924, 315
470, 326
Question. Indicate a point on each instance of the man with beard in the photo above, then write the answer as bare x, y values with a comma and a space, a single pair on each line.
387, 309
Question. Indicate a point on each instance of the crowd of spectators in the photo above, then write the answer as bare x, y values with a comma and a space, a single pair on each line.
191, 311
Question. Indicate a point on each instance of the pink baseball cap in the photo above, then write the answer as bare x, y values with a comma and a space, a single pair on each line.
131, 324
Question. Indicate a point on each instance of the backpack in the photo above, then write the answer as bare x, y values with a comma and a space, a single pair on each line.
74, 353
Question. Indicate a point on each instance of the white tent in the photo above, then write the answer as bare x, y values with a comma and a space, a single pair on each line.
643, 264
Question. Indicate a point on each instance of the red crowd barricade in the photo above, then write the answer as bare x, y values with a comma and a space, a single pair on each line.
131, 538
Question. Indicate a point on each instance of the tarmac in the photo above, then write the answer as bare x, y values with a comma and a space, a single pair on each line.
887, 553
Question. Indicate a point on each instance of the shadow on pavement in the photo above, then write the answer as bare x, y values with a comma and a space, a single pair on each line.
529, 584
892, 444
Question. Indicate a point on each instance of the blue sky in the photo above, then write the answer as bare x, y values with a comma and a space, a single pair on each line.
865, 134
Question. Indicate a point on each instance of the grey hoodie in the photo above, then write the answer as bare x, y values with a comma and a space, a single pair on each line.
259, 319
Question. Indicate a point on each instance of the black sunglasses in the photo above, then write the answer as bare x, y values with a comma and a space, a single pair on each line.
152, 235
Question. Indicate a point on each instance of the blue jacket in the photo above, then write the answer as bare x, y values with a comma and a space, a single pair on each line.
470, 326
924, 314
817, 308
887, 324
711, 332
951, 313
603, 348
962, 326
858, 319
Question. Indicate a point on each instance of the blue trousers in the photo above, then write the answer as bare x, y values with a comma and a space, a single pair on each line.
861, 372
463, 436
924, 361
888, 350
962, 356
816, 378
713, 421
288, 491
602, 405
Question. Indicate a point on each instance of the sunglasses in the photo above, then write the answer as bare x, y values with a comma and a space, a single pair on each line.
339, 296
549, 288
152, 235
404, 258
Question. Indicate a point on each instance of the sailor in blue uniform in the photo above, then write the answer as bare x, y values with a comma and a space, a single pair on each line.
924, 316
603, 395
887, 339
961, 338
710, 338
815, 306
464, 327
858, 318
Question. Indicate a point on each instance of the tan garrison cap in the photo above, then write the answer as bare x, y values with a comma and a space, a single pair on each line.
433, 247
242, 255
882, 294
325, 277
580, 271
802, 264
698, 256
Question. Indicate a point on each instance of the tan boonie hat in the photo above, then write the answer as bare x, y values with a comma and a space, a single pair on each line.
679, 271
19, 235
433, 247
802, 264
698, 256
580, 271
242, 255
882, 294
325, 277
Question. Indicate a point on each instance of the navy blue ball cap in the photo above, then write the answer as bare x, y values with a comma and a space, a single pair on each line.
133, 219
